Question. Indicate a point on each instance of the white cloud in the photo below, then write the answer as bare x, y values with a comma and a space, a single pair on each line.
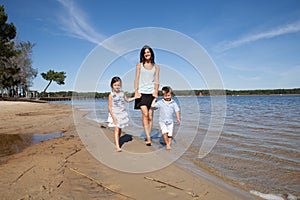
75, 24
286, 29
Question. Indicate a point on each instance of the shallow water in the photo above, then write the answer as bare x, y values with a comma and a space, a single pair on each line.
15, 143
259, 146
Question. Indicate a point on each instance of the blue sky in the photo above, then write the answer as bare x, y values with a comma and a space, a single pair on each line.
254, 44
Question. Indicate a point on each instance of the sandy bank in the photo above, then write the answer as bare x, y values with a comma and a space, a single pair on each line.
63, 168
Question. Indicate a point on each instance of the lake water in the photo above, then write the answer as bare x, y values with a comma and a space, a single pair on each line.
258, 148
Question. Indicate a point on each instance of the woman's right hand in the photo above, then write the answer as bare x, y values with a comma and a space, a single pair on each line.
137, 95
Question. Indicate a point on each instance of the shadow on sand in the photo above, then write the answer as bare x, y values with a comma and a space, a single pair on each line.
125, 138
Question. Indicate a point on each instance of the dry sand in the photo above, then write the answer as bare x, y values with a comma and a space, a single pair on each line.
62, 168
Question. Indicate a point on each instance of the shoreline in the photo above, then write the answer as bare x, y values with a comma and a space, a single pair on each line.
63, 167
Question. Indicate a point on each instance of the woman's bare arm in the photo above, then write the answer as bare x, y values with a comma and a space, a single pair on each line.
156, 81
136, 81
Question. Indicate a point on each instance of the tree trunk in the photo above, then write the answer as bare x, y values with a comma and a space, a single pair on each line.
47, 87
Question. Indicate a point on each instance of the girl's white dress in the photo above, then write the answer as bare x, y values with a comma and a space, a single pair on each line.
119, 110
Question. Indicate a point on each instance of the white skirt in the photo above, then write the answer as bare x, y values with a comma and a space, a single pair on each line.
122, 120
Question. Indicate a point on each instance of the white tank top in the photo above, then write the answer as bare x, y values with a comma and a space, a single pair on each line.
146, 80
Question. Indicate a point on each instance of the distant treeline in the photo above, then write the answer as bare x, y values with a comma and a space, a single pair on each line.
264, 92
99, 95
248, 92
79, 95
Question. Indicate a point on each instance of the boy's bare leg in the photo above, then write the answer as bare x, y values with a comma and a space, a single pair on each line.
170, 141
166, 139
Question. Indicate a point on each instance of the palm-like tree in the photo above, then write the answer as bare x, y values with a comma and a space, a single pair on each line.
51, 75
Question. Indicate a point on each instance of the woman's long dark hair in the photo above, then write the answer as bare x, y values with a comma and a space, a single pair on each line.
142, 58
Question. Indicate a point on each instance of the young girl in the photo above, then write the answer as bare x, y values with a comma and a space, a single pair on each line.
146, 88
118, 117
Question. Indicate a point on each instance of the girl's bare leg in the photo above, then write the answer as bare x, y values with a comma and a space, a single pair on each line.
117, 132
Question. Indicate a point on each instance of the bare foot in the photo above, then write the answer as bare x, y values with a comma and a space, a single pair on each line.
168, 147
119, 149
148, 143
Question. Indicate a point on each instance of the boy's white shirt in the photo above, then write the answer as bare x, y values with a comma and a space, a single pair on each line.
166, 119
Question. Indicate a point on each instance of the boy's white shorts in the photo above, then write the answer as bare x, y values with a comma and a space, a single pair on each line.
166, 128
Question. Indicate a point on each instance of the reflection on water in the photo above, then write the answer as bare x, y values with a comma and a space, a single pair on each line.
15, 143
259, 146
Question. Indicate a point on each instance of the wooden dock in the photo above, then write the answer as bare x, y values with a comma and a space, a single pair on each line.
55, 98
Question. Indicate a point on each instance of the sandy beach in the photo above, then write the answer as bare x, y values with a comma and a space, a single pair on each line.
62, 168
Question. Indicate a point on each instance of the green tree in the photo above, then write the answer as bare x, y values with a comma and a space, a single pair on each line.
51, 75
24, 62
7, 34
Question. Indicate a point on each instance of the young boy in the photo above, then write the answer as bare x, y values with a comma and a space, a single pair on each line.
167, 109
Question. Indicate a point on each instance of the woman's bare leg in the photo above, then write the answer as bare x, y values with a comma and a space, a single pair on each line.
150, 117
146, 123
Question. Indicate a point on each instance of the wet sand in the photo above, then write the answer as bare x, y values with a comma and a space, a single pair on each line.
62, 168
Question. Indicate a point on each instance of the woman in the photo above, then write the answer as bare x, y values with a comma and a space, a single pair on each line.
146, 88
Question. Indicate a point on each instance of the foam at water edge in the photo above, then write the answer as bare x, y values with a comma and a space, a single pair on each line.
97, 120
273, 196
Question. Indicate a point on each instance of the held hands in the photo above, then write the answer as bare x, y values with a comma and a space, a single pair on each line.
137, 95
155, 94
153, 104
